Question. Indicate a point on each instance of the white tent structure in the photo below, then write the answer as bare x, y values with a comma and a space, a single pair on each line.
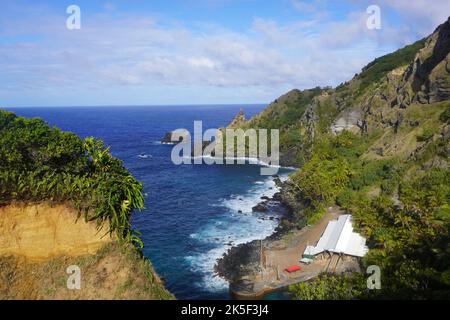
338, 237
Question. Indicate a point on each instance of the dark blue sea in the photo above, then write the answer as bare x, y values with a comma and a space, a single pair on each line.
192, 213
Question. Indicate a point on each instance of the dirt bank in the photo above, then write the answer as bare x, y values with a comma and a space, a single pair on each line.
40, 231
39, 242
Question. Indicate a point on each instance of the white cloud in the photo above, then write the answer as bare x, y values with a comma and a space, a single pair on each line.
135, 51
202, 62
430, 13
417, 17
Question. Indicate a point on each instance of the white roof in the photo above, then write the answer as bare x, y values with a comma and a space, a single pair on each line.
339, 237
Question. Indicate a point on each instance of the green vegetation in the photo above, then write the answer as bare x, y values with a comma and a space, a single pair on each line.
445, 116
331, 287
318, 182
408, 238
378, 68
40, 163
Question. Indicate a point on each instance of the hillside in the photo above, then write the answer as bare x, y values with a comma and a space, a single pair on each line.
377, 146
64, 202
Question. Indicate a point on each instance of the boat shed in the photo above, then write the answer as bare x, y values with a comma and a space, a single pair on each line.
339, 238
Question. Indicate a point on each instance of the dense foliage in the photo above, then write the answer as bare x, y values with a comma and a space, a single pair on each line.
40, 163
331, 287
403, 211
319, 182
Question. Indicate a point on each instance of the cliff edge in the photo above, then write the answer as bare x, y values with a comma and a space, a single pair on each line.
65, 208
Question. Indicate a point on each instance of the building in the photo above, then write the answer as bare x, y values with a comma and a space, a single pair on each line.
338, 238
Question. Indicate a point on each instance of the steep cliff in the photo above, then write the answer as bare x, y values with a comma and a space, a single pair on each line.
378, 146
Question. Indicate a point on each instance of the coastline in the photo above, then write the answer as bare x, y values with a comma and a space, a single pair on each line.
241, 210
257, 268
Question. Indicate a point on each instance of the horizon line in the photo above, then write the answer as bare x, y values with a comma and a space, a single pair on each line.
142, 105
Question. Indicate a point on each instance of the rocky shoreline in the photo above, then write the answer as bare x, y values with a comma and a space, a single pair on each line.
243, 262
257, 268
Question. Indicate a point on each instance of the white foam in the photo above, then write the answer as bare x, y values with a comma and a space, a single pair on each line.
248, 160
232, 229
145, 156
246, 202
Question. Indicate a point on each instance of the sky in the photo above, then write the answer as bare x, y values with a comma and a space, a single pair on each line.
153, 52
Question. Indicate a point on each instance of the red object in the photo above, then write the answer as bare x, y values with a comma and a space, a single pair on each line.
293, 269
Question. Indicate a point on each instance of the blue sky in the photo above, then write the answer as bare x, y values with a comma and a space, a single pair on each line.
194, 51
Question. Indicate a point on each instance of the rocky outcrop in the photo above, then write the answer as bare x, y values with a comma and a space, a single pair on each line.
168, 139
348, 120
240, 261
310, 121
238, 120
427, 79
260, 207
244, 260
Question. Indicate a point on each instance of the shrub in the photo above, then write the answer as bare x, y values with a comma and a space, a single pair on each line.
426, 135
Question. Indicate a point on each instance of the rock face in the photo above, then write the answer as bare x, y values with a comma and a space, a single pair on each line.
374, 99
424, 80
427, 79
39, 231
348, 120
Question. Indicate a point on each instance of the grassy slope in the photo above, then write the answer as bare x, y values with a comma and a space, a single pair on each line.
115, 272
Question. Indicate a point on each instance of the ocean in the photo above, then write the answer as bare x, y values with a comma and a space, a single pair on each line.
194, 213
